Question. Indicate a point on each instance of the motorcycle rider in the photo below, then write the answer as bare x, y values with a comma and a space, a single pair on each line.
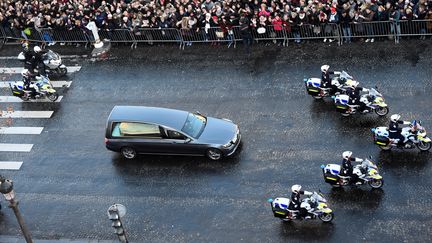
38, 60
29, 62
296, 202
395, 130
347, 167
326, 80
355, 98
28, 85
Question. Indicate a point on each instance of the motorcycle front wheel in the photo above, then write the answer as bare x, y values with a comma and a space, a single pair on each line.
375, 184
382, 111
326, 217
52, 96
62, 71
424, 146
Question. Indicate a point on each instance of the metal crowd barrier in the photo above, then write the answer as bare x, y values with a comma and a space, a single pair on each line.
274, 33
367, 30
160, 35
214, 35
328, 31
342, 33
420, 28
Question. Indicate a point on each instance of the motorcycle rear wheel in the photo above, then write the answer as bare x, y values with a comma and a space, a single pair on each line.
375, 184
382, 111
388, 147
25, 98
345, 114
424, 146
52, 96
326, 217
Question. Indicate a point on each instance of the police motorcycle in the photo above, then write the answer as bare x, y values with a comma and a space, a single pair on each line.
341, 81
52, 64
316, 205
366, 171
373, 99
414, 136
44, 89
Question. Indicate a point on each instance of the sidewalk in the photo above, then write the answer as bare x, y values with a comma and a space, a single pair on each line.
14, 239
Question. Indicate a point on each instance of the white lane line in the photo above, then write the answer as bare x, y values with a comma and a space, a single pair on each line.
26, 114
10, 165
13, 99
19, 69
62, 56
21, 130
56, 84
15, 147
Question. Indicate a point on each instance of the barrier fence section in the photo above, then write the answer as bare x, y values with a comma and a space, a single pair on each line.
281, 34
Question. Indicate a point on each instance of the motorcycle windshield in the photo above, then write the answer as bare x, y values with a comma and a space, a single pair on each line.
345, 75
52, 55
374, 92
318, 198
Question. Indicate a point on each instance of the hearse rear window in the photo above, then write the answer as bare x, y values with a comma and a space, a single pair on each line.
135, 129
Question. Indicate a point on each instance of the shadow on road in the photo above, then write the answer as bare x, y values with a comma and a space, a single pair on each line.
171, 165
364, 197
307, 230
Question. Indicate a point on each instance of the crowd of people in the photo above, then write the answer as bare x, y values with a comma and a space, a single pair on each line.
203, 14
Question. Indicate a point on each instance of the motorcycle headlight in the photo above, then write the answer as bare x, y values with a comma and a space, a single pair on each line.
55, 62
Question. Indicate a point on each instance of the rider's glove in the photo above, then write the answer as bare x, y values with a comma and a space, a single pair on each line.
337, 72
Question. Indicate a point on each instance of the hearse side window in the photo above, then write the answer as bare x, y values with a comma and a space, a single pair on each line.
135, 129
175, 135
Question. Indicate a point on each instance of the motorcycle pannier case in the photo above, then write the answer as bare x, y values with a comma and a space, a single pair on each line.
383, 141
341, 102
342, 108
312, 86
280, 213
330, 178
313, 90
17, 92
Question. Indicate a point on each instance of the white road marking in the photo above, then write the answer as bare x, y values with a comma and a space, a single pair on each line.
15, 147
62, 56
21, 130
26, 114
55, 84
10, 165
13, 99
19, 69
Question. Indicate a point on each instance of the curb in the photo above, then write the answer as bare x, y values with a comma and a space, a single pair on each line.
14, 239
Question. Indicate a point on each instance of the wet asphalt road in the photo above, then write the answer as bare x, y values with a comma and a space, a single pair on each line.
69, 180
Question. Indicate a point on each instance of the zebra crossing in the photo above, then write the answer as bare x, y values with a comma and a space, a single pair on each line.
10, 113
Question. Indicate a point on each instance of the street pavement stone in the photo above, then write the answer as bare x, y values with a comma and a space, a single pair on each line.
14, 239
70, 179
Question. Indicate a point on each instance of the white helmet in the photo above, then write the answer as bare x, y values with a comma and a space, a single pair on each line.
37, 49
346, 154
325, 68
25, 73
364, 100
296, 188
394, 117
